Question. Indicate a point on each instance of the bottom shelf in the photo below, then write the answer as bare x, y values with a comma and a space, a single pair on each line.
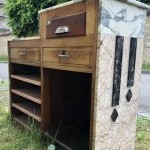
26, 121
23, 120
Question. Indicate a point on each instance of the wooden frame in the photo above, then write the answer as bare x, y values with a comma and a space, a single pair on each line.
87, 41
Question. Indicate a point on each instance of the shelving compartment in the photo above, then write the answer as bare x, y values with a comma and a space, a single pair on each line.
67, 97
24, 120
25, 91
26, 106
29, 74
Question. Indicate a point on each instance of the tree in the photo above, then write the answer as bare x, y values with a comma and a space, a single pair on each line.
145, 1
23, 15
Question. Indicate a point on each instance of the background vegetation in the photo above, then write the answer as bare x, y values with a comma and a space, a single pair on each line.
23, 15
145, 1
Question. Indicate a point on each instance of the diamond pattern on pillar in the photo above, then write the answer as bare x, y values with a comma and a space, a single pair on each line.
129, 95
114, 115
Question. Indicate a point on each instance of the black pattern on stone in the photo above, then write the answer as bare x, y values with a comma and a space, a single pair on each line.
114, 115
117, 70
132, 61
129, 95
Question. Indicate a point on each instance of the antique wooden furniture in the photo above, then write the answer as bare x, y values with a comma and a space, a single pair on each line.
82, 73
51, 75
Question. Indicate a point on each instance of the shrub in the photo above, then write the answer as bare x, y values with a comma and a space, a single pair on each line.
23, 15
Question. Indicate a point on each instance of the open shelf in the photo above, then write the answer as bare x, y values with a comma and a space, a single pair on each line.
31, 94
33, 79
29, 109
23, 120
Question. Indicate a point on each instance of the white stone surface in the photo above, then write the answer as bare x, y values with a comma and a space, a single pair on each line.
119, 135
127, 20
120, 18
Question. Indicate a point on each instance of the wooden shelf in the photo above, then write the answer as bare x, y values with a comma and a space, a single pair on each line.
29, 109
23, 120
31, 94
33, 79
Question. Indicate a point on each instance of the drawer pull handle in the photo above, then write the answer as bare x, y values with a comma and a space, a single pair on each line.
62, 29
63, 55
22, 53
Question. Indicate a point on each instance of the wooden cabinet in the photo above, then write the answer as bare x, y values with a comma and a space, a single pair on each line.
25, 54
72, 25
51, 76
77, 57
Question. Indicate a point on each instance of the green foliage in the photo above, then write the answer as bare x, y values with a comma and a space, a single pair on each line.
146, 67
23, 15
145, 1
3, 58
143, 133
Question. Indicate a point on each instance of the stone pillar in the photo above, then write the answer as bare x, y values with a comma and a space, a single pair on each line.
146, 54
118, 72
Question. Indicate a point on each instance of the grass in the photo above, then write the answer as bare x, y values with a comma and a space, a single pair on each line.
14, 138
3, 58
146, 67
143, 133
11, 136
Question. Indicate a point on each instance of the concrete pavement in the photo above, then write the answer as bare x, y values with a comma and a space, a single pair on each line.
4, 71
144, 103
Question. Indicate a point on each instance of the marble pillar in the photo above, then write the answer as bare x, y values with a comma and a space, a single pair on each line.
126, 20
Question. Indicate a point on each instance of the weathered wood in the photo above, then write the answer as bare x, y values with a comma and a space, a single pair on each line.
67, 56
75, 23
67, 83
30, 94
36, 80
25, 54
29, 109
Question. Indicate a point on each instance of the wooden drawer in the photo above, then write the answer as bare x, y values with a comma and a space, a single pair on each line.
72, 25
67, 56
25, 54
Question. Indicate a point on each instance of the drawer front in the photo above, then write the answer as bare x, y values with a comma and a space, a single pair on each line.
68, 56
73, 25
29, 54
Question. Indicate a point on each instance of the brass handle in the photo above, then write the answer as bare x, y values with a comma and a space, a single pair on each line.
62, 29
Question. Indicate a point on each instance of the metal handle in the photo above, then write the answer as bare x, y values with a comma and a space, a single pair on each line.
63, 54
22, 53
62, 29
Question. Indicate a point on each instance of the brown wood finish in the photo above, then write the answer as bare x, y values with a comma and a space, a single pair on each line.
84, 41
76, 24
33, 79
94, 9
67, 56
59, 12
68, 68
29, 109
25, 54
32, 43
87, 40
29, 93
63, 87
23, 120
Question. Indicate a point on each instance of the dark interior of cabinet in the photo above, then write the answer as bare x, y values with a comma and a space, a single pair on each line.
67, 97
20, 69
23, 119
